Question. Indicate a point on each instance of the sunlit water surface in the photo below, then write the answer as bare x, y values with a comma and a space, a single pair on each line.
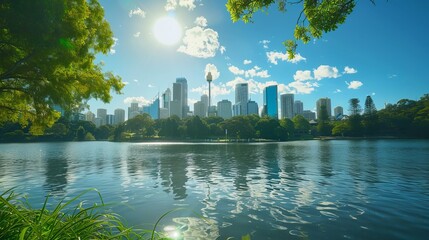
295, 190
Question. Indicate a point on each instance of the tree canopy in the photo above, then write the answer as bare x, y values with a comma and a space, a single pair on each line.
316, 17
48, 50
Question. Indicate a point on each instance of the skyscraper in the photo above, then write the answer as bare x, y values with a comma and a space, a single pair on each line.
119, 116
184, 95
270, 101
286, 105
176, 104
224, 109
309, 115
134, 110
338, 112
166, 99
90, 117
252, 108
101, 114
205, 101
199, 109
298, 108
323, 102
241, 98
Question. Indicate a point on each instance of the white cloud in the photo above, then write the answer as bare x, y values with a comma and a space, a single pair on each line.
253, 72
137, 12
201, 21
150, 86
172, 4
337, 91
273, 57
354, 84
373, 94
302, 75
213, 70
137, 34
222, 49
264, 43
216, 90
135, 80
392, 76
349, 70
235, 70
245, 62
200, 42
141, 100
126, 83
303, 87
115, 42
325, 71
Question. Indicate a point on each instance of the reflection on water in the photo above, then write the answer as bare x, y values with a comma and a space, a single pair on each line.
294, 190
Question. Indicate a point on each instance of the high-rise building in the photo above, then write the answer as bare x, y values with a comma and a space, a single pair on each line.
287, 105
298, 108
309, 115
241, 99
184, 95
119, 116
101, 114
110, 118
252, 108
323, 102
212, 112
133, 111
164, 113
90, 116
166, 99
338, 112
177, 99
199, 109
224, 109
205, 101
270, 101
154, 108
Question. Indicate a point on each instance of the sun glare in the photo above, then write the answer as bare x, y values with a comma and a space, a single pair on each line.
167, 30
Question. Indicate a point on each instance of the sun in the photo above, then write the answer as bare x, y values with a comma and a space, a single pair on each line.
167, 30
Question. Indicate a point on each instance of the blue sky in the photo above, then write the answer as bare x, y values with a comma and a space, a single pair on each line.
380, 51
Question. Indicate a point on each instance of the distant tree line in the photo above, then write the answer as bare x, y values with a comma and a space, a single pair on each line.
407, 118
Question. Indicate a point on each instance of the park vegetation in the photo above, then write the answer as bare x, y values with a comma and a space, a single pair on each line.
405, 119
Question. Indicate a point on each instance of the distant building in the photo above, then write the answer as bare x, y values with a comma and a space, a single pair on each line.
199, 109
98, 122
102, 114
110, 119
205, 101
164, 113
270, 101
323, 102
224, 109
309, 115
212, 111
90, 117
166, 99
177, 99
184, 95
338, 113
119, 114
252, 108
298, 108
241, 99
134, 110
287, 105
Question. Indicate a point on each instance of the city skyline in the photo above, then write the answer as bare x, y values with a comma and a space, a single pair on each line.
362, 57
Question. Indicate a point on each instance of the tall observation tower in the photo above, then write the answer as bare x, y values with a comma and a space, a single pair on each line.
209, 79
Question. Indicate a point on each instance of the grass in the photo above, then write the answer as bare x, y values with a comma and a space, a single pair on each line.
65, 221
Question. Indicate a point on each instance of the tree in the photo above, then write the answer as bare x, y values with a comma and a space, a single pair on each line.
369, 106
196, 128
80, 134
142, 125
323, 126
302, 126
355, 107
317, 16
289, 128
48, 49
267, 128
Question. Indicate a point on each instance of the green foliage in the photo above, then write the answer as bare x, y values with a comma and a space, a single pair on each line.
316, 17
80, 133
354, 108
301, 125
196, 128
267, 128
19, 221
142, 125
47, 50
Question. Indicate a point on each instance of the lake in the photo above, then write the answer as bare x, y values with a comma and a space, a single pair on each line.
339, 189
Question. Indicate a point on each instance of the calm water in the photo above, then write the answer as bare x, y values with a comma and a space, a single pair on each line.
296, 190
